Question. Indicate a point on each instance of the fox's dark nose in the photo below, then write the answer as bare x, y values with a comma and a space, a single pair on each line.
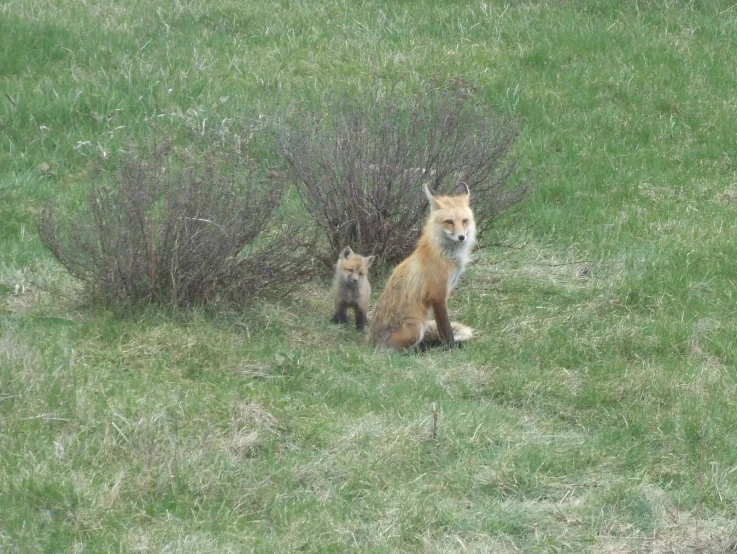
461, 237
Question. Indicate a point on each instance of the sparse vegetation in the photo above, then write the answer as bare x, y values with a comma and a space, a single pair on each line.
182, 229
594, 412
361, 168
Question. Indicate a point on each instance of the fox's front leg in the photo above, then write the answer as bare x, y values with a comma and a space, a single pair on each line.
445, 329
361, 318
341, 313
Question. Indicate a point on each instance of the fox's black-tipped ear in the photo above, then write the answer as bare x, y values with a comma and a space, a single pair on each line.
461, 188
347, 252
370, 260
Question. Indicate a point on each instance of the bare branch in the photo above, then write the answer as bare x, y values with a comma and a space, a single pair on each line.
359, 171
182, 228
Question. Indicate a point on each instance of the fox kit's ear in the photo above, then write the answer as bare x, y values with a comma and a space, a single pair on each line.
370, 260
347, 252
430, 197
461, 189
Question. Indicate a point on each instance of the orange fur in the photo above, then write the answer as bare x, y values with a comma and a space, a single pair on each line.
351, 288
419, 287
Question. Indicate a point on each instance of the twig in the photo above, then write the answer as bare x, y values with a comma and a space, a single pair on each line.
45, 417
642, 539
10, 100
500, 245
569, 263
700, 477
434, 421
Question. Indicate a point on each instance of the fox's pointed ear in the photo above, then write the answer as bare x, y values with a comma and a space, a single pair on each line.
370, 260
430, 197
347, 252
461, 189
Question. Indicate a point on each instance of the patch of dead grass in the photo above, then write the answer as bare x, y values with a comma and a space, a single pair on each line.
42, 288
727, 197
676, 532
250, 425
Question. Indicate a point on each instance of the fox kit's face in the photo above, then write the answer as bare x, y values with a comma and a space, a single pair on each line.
352, 268
452, 216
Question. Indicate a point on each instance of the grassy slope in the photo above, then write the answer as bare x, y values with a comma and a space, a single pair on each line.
591, 414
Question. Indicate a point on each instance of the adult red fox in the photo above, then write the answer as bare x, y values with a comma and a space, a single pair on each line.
351, 288
418, 288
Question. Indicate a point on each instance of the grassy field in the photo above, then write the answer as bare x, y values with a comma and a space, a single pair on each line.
592, 414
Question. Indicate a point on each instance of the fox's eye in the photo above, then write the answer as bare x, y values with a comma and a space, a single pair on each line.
465, 222
449, 222
360, 274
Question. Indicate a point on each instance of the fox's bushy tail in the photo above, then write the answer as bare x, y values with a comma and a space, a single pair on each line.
461, 333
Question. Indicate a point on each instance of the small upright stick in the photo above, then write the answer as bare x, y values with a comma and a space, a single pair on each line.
434, 421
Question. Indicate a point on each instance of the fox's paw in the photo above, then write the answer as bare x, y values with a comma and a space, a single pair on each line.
340, 318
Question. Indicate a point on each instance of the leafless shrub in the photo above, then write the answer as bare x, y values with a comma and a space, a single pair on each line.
359, 170
181, 228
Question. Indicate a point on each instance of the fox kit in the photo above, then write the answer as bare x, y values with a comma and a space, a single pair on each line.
418, 288
351, 288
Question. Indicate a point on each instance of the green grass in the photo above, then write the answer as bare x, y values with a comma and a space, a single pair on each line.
591, 414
